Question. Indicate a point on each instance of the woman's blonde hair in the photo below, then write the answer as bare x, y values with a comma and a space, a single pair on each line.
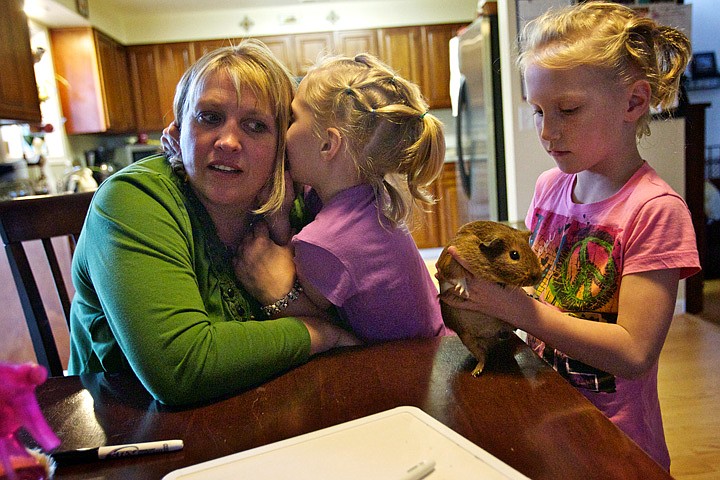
249, 64
397, 146
613, 37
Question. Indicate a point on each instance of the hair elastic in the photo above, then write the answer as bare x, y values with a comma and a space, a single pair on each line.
423, 115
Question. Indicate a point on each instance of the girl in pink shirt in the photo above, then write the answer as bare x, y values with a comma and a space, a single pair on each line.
613, 238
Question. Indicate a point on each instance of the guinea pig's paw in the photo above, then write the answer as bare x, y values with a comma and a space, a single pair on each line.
461, 289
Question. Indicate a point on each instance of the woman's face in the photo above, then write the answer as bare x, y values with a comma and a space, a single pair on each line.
228, 145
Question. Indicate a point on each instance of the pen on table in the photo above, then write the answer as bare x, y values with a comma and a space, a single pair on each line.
420, 470
116, 451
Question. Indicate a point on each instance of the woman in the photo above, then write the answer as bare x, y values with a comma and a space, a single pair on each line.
156, 293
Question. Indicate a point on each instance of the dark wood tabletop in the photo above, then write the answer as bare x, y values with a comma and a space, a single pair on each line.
519, 410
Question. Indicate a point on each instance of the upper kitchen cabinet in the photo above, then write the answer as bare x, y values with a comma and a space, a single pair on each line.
401, 48
421, 54
155, 71
352, 42
92, 81
204, 46
282, 46
309, 47
436, 51
18, 91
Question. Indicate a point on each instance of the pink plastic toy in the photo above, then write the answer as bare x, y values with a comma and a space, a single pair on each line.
19, 408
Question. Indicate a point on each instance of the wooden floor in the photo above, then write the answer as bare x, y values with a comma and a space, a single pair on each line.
689, 388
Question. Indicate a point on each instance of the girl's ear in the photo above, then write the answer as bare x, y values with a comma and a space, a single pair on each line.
332, 143
639, 94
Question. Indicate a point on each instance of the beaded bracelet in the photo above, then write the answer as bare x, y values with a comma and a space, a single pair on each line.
282, 304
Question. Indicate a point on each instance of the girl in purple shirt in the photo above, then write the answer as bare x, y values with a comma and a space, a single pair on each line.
363, 142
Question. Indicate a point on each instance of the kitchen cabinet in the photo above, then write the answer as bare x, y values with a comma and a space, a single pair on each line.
437, 226
155, 71
19, 100
93, 83
436, 60
309, 47
418, 53
282, 46
204, 46
146, 93
352, 42
401, 48
421, 54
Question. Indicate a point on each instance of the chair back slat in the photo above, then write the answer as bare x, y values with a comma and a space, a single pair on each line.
41, 218
58, 279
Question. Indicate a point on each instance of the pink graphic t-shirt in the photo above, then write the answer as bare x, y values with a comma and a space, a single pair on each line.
584, 250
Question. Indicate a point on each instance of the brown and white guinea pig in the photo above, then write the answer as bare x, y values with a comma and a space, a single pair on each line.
495, 252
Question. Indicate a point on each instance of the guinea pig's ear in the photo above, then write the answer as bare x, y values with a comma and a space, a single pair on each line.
527, 234
492, 248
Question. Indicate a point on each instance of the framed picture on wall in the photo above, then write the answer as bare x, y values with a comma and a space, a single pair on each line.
703, 65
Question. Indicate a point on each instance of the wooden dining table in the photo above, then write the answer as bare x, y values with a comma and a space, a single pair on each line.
519, 410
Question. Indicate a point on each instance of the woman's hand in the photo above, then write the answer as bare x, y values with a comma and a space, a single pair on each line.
264, 268
170, 140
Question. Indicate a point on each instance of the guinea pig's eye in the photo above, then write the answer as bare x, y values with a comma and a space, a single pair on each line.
514, 254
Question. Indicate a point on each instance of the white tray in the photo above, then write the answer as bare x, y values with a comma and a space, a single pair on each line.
380, 446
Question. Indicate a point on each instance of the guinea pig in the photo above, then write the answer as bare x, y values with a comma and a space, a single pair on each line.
495, 252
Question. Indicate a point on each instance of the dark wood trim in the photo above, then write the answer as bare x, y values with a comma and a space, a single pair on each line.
695, 195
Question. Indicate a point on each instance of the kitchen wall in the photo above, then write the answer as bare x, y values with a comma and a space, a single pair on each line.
172, 26
705, 21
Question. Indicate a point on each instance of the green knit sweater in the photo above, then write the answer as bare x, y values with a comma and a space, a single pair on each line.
156, 295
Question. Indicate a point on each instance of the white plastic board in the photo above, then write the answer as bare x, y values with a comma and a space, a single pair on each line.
381, 446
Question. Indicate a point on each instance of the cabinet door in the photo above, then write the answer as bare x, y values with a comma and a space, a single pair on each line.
76, 64
309, 47
113, 65
205, 46
424, 225
435, 228
155, 72
18, 90
174, 59
451, 214
283, 47
352, 42
401, 48
146, 92
436, 84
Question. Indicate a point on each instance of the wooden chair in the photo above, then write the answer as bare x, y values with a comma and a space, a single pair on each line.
41, 218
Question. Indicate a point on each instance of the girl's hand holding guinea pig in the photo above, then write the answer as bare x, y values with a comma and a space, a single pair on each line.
484, 296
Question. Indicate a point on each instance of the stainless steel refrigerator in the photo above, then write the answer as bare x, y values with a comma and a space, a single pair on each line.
477, 108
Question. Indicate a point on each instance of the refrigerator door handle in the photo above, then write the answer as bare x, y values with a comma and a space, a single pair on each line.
464, 167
